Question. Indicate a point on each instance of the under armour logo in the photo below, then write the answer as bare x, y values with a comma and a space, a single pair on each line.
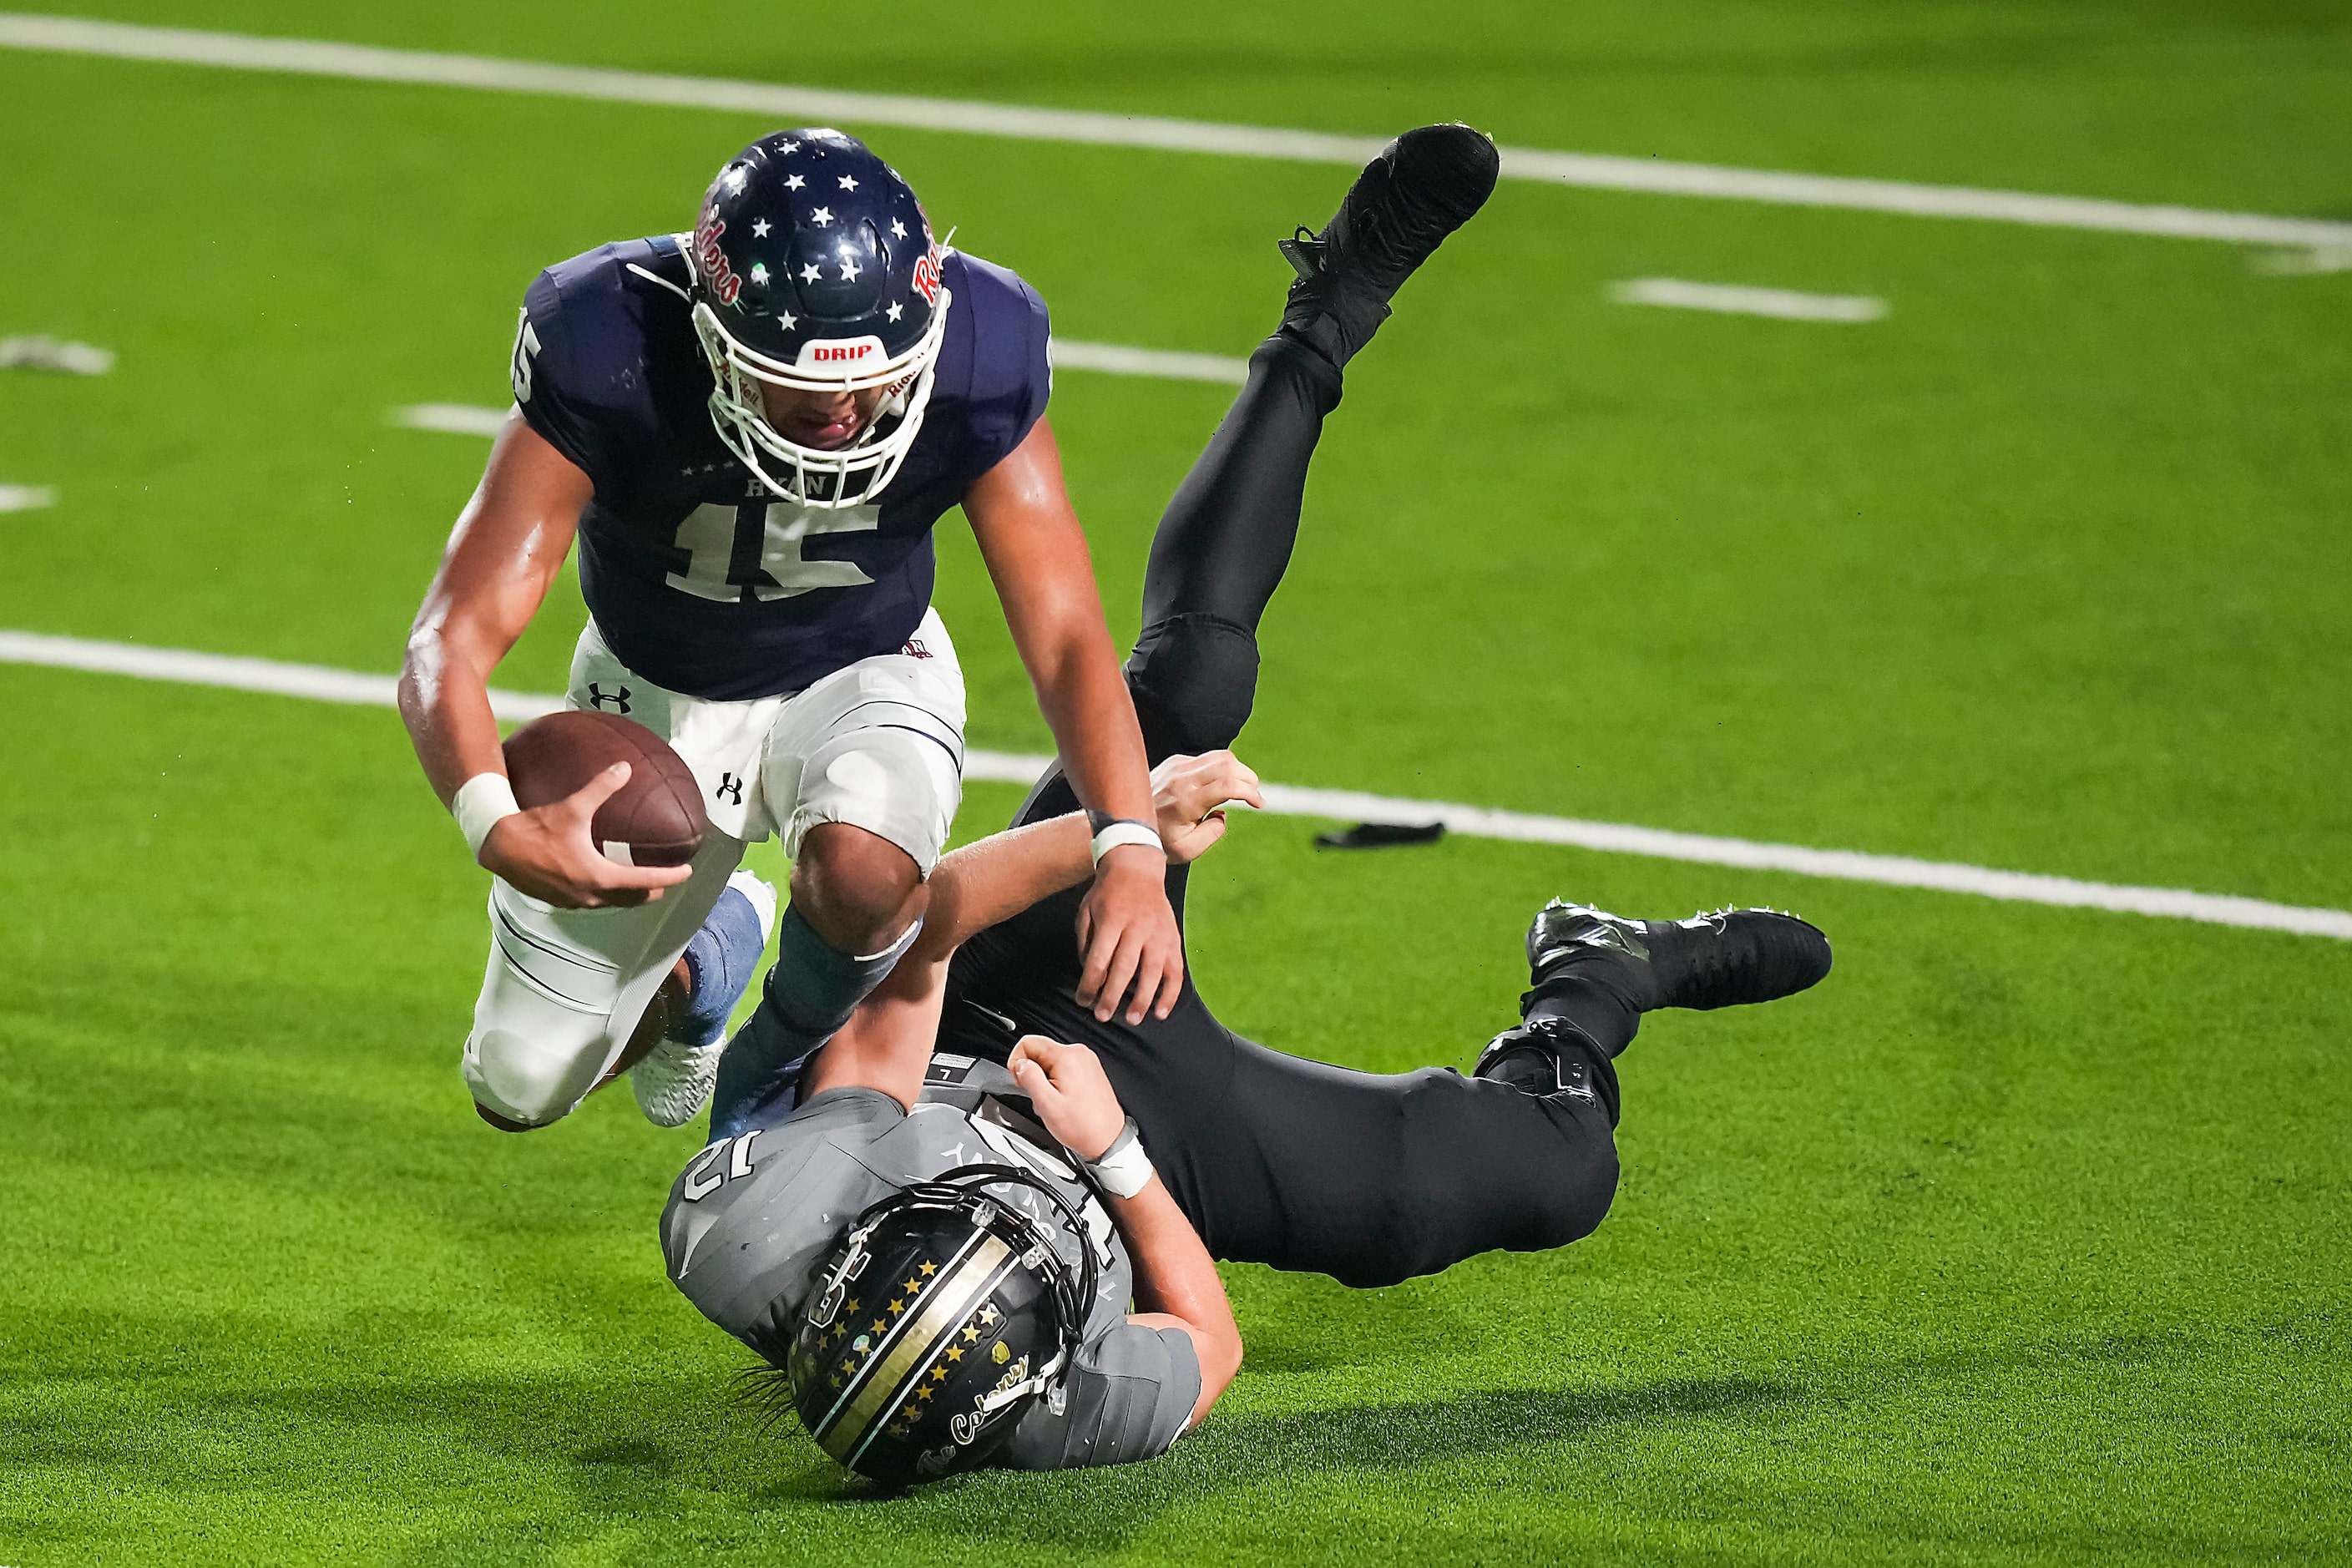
598, 697
730, 789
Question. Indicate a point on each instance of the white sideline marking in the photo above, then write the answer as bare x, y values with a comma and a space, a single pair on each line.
1732, 300
1066, 354
27, 498
456, 418
70, 35
1288, 800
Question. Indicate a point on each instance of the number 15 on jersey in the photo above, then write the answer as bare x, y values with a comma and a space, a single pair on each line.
755, 547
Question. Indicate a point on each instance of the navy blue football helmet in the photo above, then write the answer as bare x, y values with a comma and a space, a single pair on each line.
814, 268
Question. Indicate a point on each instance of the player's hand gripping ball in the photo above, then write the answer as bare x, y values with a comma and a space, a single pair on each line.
655, 819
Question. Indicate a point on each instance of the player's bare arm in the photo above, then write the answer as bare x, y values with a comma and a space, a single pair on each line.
1036, 554
509, 542
887, 1043
1176, 1283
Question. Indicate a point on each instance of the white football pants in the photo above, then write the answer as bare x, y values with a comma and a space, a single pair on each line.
878, 744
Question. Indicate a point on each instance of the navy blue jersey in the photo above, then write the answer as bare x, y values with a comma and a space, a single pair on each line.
700, 579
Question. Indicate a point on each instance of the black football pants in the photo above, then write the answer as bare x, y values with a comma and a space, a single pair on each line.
1369, 1178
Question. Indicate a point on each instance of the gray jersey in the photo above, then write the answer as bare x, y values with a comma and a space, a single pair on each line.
750, 1217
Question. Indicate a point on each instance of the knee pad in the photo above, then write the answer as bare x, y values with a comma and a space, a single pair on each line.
530, 1058
902, 784
1193, 678
519, 1080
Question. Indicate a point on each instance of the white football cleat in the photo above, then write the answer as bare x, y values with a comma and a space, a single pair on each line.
673, 1082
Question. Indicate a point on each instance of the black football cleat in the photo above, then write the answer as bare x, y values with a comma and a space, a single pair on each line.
1727, 959
1421, 188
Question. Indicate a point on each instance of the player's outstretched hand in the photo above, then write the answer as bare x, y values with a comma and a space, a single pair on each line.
549, 853
1073, 1098
1190, 795
1128, 935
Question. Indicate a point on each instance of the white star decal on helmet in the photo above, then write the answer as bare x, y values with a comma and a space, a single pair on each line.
849, 268
847, 183
810, 273
897, 229
822, 216
789, 320
792, 146
759, 228
736, 176
895, 310
793, 182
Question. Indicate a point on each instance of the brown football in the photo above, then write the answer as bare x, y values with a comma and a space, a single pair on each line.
655, 819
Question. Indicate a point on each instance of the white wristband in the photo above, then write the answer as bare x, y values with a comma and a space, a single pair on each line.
1123, 832
482, 803
1123, 1169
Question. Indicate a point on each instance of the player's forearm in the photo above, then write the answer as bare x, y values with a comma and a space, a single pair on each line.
1175, 1279
995, 879
444, 700
1086, 703
887, 1044
505, 550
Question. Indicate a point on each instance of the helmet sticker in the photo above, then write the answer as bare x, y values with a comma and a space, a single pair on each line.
715, 267
927, 276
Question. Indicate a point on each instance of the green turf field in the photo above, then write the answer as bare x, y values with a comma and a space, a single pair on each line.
2025, 1238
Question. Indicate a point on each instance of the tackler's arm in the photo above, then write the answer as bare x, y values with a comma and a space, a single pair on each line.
1176, 1282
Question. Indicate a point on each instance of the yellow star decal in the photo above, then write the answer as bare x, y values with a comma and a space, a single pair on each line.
911, 1411
900, 1305
851, 1309
989, 1313
923, 1393
879, 1326
930, 1268
970, 1336
911, 1286
940, 1374
955, 1353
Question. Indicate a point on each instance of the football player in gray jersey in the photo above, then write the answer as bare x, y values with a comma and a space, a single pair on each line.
752, 1220
854, 1219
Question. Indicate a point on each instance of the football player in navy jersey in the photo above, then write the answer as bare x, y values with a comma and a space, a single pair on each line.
751, 431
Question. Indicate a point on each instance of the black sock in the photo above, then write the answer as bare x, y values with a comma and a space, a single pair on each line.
1586, 1001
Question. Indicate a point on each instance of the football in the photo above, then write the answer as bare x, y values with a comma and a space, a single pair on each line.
655, 819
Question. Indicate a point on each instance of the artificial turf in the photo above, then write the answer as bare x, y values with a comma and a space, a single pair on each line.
2023, 1238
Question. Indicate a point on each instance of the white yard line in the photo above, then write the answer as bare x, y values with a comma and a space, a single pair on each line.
71, 34
2314, 262
1116, 360
466, 419
1732, 300
315, 681
454, 418
327, 685
27, 498
39, 352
